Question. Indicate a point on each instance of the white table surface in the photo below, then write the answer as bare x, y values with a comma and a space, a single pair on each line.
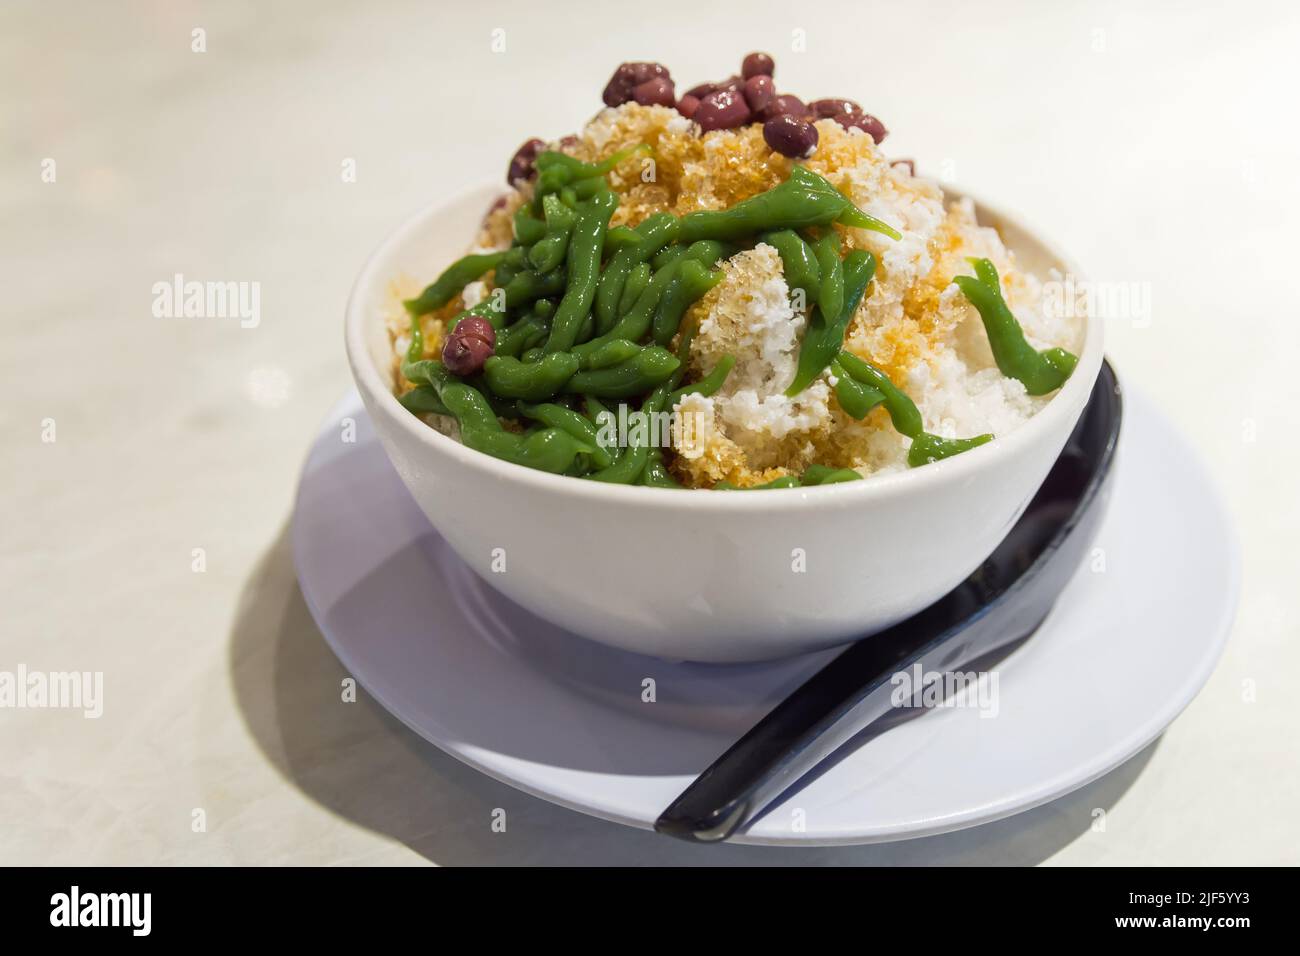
1154, 146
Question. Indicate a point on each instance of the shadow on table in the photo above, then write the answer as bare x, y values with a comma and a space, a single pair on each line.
363, 764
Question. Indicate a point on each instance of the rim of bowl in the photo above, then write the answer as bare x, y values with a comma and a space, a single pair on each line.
951, 471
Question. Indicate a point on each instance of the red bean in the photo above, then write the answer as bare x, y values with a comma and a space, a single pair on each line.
645, 71
790, 136
786, 104
823, 109
687, 105
521, 164
656, 91
470, 344
724, 109
619, 88
865, 122
477, 327
757, 64
759, 92
627, 78
701, 91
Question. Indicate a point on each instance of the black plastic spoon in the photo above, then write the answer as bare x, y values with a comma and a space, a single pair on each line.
1002, 603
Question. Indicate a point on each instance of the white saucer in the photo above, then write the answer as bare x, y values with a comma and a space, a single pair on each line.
1131, 641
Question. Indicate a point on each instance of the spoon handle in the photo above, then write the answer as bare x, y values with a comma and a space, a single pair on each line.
845, 696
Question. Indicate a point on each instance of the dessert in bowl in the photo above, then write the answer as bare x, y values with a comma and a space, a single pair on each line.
717, 383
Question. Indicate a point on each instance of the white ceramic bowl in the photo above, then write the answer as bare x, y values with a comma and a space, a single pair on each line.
703, 575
